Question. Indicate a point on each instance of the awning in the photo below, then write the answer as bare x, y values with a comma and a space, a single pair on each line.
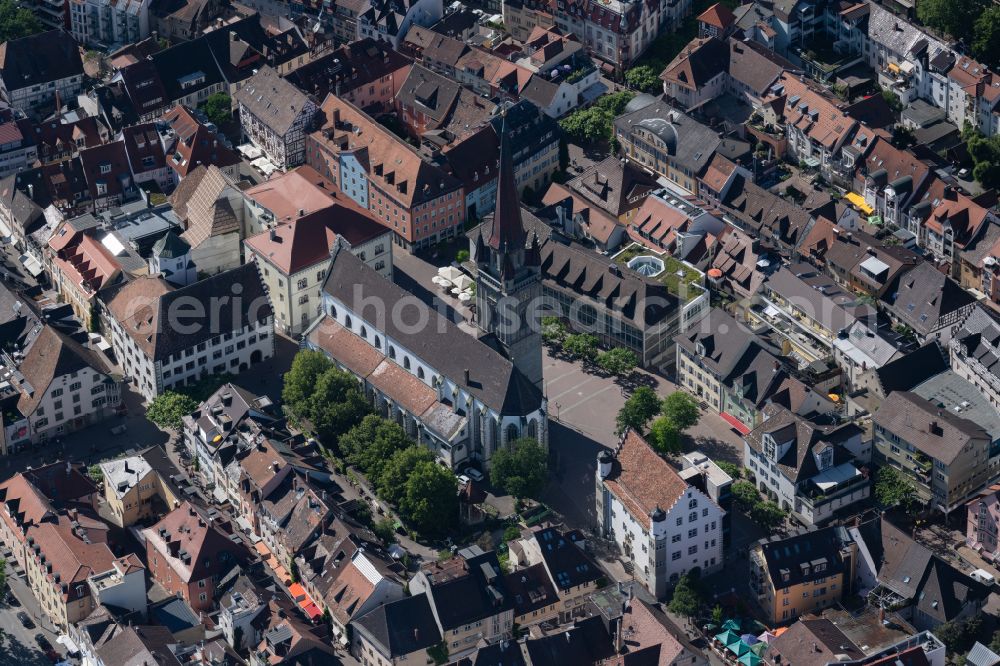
735, 422
859, 202
32, 264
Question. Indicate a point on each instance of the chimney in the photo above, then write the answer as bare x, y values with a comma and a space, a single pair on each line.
466, 376
302, 211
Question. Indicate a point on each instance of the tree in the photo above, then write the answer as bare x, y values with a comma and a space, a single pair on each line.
336, 405
370, 444
462, 256
300, 379
745, 495
95, 473
986, 37
640, 407
644, 78
521, 469
952, 17
618, 361
892, 99
581, 345
219, 108
16, 21
3, 576
732, 469
682, 409
686, 600
717, 615
892, 488
767, 514
169, 408
665, 436
595, 123
385, 530
554, 331
430, 500
293, 570
439, 653
392, 483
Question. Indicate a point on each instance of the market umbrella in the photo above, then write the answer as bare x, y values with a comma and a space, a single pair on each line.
449, 273
750, 659
465, 296
739, 648
749, 639
767, 637
759, 648
727, 637
731, 625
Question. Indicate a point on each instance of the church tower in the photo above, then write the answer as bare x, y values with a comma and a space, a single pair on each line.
508, 283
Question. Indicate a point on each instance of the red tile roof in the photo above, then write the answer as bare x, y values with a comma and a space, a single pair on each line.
718, 15
305, 242
83, 259
642, 480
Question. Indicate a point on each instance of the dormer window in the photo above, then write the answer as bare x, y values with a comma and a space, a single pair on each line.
770, 446
699, 348
105, 167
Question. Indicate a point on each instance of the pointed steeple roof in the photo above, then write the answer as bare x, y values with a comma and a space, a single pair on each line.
508, 230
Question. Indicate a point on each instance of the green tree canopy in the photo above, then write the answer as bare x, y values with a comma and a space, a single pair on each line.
169, 408
892, 488
665, 436
618, 361
300, 379
219, 108
686, 599
645, 78
640, 407
336, 405
430, 500
522, 469
767, 514
732, 469
371, 444
986, 37
392, 482
16, 21
952, 17
595, 123
554, 331
581, 345
744, 495
682, 409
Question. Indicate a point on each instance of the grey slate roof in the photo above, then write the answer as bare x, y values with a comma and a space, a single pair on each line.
492, 378
38, 59
273, 100
636, 299
913, 419
788, 556
907, 371
170, 246
401, 627
925, 296
690, 143
721, 338
144, 307
979, 337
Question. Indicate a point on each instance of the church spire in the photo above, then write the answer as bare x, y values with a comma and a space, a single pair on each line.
508, 231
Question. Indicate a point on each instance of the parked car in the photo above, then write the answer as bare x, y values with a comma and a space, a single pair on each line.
118, 429
11, 600
43, 642
474, 474
25, 620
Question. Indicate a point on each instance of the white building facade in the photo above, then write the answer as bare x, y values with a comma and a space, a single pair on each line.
664, 527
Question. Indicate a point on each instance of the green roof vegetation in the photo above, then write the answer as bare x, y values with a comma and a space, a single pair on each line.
675, 272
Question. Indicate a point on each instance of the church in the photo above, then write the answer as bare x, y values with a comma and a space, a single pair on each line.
460, 395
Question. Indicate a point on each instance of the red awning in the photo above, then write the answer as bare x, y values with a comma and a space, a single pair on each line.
735, 422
